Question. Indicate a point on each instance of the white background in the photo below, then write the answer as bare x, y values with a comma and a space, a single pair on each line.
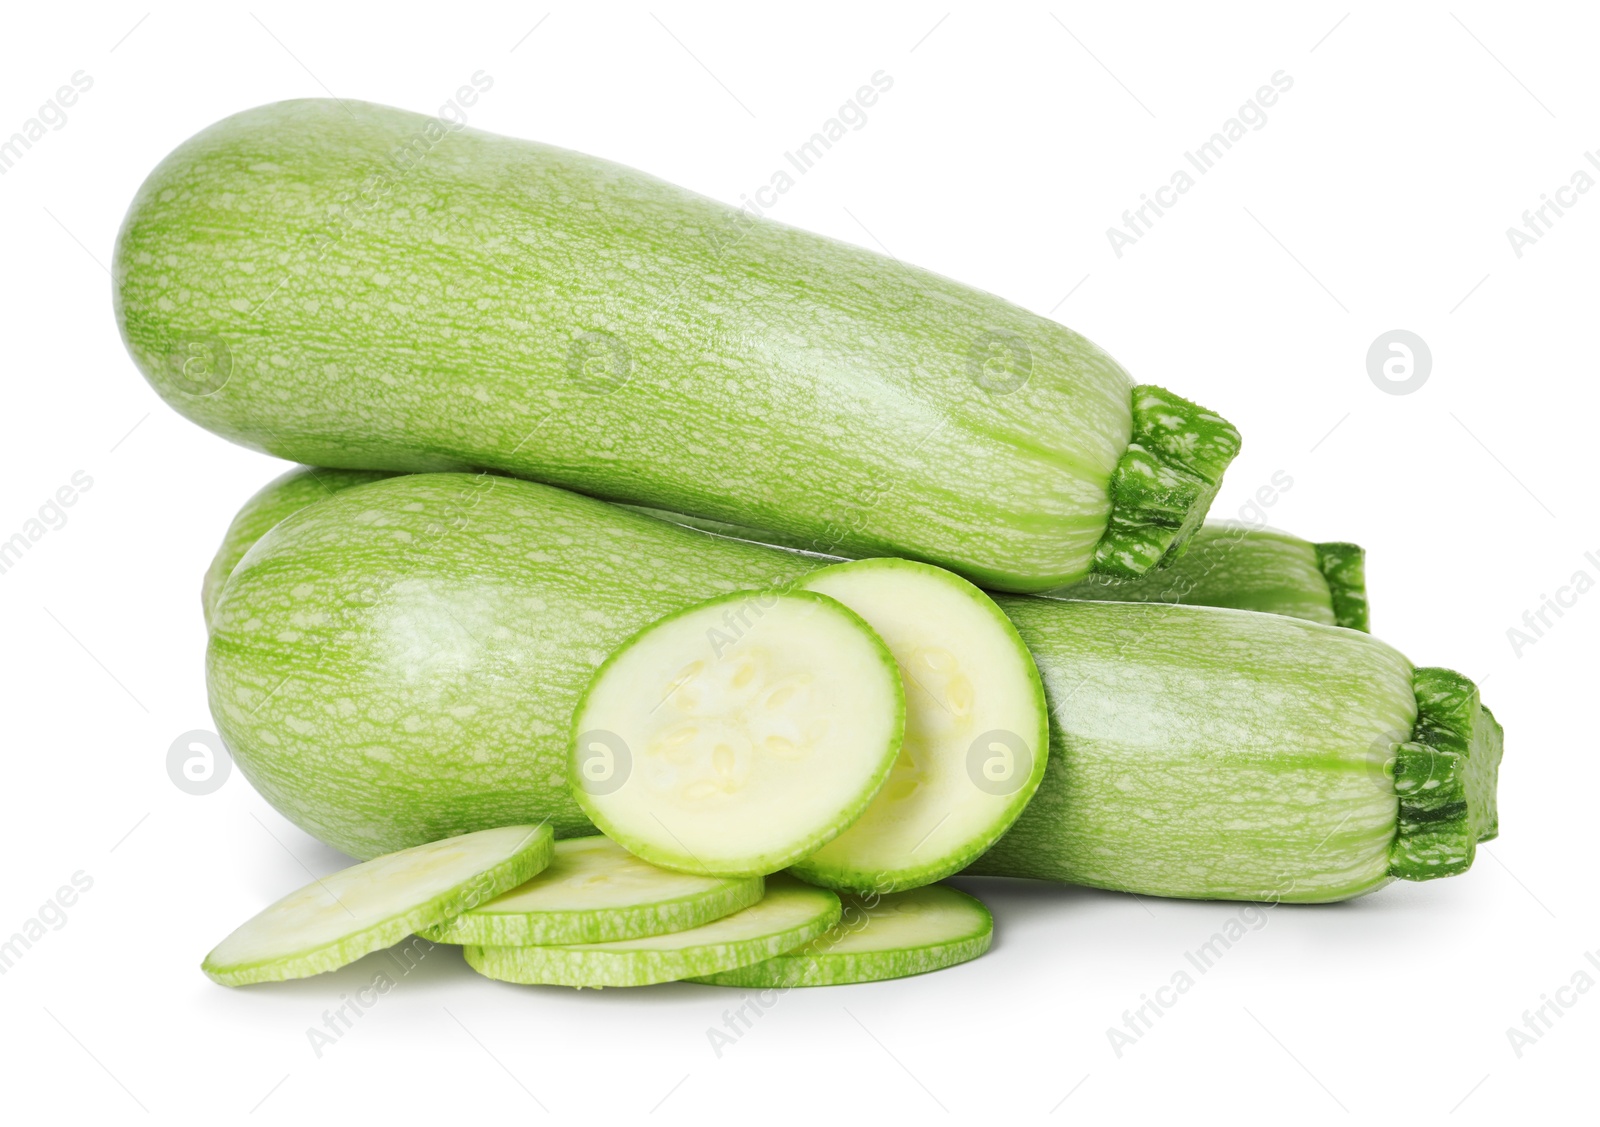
1377, 196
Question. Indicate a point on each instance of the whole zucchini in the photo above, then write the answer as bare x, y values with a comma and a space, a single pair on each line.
401, 661
360, 287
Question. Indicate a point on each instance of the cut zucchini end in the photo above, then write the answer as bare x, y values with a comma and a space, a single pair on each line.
739, 735
1446, 777
1344, 566
336, 920
1164, 482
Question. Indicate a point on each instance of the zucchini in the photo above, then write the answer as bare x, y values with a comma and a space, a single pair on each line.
335, 920
282, 496
402, 661
1247, 568
1203, 752
739, 735
789, 915
350, 285
595, 891
893, 936
976, 728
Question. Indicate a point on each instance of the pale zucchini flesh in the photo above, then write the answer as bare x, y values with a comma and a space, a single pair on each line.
1248, 568
595, 891
313, 278
737, 736
789, 915
977, 729
339, 918
879, 937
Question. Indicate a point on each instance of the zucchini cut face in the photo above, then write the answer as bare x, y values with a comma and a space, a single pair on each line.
737, 736
337, 919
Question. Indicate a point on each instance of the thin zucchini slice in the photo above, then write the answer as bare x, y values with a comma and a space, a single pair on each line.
789, 915
977, 729
893, 936
596, 891
737, 736
335, 920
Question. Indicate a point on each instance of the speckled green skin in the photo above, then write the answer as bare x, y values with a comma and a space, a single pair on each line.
400, 662
826, 961
282, 496
1228, 565
1209, 753
708, 949
1446, 776
349, 285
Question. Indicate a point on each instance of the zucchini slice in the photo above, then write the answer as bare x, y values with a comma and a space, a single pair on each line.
336, 920
977, 730
893, 936
596, 891
789, 915
737, 736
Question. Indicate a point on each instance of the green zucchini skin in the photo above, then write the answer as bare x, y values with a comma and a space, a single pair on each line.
1218, 754
281, 497
349, 285
1246, 568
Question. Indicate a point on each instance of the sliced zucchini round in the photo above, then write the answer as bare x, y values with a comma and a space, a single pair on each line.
789, 915
737, 736
338, 919
893, 936
596, 891
977, 728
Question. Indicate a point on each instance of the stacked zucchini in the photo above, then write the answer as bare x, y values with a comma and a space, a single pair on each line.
806, 578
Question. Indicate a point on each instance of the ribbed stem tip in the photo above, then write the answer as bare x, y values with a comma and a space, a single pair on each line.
1446, 776
1164, 482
